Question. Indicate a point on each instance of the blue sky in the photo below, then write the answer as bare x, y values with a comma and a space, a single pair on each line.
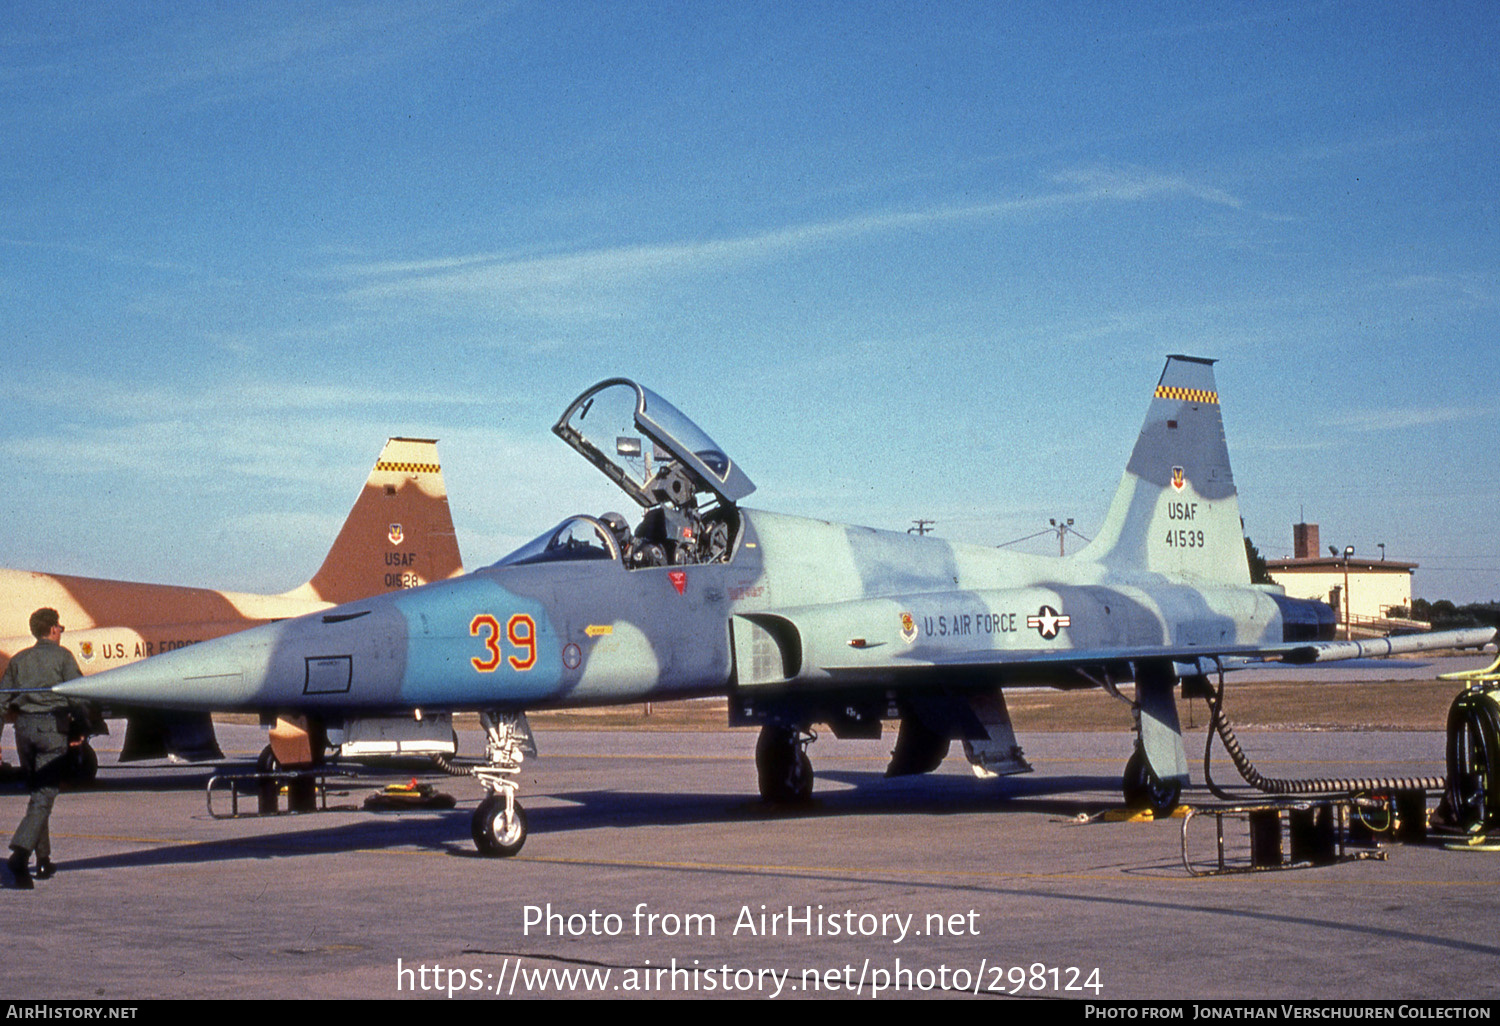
901, 259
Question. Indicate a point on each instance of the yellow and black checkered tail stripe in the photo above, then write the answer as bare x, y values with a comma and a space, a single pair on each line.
1187, 395
408, 468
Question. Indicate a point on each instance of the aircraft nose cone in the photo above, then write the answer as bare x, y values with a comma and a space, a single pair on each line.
209, 675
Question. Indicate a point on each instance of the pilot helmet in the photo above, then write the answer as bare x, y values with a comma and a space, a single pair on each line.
617, 524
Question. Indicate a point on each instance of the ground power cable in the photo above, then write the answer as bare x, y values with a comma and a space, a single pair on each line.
1221, 727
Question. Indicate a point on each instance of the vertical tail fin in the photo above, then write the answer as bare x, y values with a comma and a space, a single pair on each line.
1176, 512
399, 533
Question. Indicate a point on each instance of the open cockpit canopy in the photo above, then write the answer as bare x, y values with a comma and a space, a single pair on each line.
648, 447
685, 484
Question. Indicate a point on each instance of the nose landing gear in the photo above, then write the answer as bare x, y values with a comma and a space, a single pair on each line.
499, 823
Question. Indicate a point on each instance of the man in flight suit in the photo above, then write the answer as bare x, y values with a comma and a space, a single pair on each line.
42, 723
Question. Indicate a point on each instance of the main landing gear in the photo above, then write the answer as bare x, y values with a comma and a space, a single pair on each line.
499, 823
1157, 769
781, 763
1143, 789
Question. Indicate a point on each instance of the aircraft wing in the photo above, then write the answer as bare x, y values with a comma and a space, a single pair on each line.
806, 645
1237, 655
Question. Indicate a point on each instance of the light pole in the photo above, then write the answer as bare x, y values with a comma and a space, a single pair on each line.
1348, 551
1348, 622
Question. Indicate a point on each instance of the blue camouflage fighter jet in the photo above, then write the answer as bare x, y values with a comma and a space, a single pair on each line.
799, 622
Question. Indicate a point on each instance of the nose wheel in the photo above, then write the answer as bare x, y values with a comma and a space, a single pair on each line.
499, 826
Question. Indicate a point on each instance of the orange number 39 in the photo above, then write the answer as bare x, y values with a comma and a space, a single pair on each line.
520, 631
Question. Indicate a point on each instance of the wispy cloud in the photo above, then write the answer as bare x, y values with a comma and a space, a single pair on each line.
260, 431
523, 279
152, 401
1344, 148
1474, 289
1405, 419
1134, 184
209, 55
95, 253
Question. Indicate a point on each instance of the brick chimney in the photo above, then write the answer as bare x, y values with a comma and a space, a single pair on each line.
1305, 541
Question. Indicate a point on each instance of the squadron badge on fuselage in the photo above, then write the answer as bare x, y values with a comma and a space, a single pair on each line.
908, 628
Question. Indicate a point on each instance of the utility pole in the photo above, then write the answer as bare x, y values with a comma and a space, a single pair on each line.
920, 526
1062, 531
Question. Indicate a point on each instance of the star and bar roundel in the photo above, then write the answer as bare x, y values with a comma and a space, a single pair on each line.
1048, 622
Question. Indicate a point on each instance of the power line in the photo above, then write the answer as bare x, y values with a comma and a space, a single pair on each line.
1059, 528
1017, 541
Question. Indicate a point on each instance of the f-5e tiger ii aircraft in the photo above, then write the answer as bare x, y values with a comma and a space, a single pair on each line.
399, 534
797, 621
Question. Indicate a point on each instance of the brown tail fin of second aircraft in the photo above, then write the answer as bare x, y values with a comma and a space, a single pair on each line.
399, 533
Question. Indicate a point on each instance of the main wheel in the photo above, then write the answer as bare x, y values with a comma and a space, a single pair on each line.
784, 771
83, 764
1143, 789
495, 833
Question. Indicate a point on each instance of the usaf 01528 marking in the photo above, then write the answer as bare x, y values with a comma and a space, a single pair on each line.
797, 621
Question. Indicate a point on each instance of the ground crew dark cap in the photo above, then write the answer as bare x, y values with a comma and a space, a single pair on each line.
43, 620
